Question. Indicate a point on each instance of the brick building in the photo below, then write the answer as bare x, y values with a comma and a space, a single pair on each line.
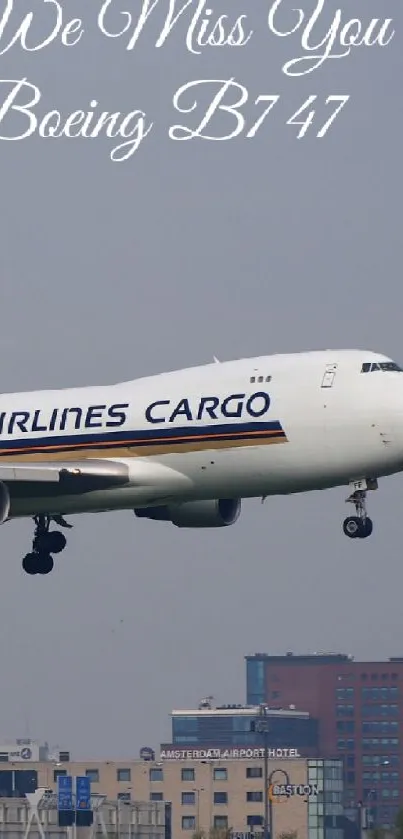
359, 706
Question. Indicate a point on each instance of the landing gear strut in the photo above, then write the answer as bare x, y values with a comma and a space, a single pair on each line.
45, 543
360, 525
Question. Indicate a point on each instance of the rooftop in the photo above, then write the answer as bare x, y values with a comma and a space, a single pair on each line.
320, 658
206, 709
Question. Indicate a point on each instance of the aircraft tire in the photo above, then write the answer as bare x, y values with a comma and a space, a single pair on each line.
52, 542
44, 563
30, 563
352, 527
365, 529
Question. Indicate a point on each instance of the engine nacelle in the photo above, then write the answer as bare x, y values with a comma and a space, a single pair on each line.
4, 502
216, 513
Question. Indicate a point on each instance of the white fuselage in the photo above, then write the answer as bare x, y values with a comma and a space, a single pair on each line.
294, 423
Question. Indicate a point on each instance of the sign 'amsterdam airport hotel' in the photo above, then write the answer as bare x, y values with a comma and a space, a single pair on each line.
169, 753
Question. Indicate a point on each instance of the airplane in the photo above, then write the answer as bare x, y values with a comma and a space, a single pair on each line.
187, 446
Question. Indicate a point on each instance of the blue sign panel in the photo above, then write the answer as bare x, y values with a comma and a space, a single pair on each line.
65, 792
83, 793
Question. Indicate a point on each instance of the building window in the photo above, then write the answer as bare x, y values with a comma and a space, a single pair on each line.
220, 774
156, 775
93, 775
345, 710
382, 760
188, 798
124, 796
59, 773
253, 821
346, 726
220, 798
253, 771
124, 775
188, 822
188, 775
254, 796
375, 694
379, 727
156, 796
221, 822
344, 693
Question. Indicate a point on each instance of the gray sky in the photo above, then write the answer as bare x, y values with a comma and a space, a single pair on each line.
112, 271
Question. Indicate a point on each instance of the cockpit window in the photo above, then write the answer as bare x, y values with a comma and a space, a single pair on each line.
386, 366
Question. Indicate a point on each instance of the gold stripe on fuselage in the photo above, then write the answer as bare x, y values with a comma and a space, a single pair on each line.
78, 453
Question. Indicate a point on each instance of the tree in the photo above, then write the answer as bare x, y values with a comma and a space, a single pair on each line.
378, 833
214, 833
220, 833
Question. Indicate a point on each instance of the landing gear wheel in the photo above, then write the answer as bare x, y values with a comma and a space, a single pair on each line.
365, 528
44, 563
45, 543
352, 526
358, 526
30, 563
52, 542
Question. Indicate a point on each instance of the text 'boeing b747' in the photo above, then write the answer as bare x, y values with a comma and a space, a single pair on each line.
185, 447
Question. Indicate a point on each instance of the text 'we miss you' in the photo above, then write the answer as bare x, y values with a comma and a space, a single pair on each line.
206, 28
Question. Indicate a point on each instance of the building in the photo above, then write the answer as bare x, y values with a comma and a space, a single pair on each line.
359, 706
22, 753
306, 794
25, 750
21, 818
226, 727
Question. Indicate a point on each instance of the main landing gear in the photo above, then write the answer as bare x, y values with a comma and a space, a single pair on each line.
360, 525
45, 543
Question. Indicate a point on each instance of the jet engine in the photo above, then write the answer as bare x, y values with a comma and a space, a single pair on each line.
216, 513
4, 502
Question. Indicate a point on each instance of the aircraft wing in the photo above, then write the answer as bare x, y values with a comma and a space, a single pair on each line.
69, 475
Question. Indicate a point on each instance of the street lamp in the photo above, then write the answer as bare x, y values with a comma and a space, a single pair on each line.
261, 726
198, 791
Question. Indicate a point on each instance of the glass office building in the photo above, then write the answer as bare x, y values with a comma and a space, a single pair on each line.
325, 809
232, 726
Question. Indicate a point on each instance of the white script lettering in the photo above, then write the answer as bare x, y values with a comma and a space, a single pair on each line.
181, 132
56, 26
201, 32
131, 127
351, 34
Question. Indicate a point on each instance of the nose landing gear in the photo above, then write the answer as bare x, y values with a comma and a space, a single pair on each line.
45, 543
358, 526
